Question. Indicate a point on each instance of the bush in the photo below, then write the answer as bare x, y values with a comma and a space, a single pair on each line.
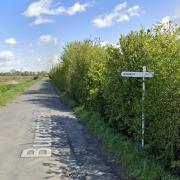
160, 53
81, 72
90, 74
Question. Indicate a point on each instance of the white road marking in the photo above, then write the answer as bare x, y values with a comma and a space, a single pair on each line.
31, 152
42, 137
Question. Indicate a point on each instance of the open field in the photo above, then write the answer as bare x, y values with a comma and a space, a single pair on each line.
14, 79
11, 86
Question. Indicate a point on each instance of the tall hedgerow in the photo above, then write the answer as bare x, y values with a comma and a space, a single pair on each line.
81, 72
90, 74
160, 52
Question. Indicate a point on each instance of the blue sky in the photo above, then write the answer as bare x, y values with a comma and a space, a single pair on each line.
33, 32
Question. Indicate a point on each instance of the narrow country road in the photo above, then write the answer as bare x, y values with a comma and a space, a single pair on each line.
40, 138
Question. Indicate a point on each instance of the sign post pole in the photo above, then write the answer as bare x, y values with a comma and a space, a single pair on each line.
143, 99
144, 74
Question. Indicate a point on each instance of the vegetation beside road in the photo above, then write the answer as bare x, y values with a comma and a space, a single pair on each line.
135, 162
6, 87
10, 87
90, 75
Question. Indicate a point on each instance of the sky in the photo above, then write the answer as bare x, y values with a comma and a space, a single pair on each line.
33, 33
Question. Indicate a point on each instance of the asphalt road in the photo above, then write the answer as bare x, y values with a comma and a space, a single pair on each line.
41, 138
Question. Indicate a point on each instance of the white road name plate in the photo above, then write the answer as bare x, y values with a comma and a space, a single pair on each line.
137, 74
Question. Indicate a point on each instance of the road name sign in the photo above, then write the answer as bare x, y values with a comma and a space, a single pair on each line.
138, 74
42, 137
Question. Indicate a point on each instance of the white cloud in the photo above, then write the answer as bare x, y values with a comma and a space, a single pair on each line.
165, 20
106, 44
134, 11
42, 20
6, 55
123, 18
47, 39
38, 8
10, 41
39, 60
116, 45
107, 20
103, 43
43, 8
119, 14
175, 19
12, 63
47, 62
6, 66
76, 8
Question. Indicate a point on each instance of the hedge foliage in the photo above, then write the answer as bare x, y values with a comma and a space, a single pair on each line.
90, 74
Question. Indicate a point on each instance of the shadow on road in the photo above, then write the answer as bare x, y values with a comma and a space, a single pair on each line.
76, 154
46, 97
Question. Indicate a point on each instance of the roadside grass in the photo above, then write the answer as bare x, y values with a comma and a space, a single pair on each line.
6, 87
8, 91
137, 162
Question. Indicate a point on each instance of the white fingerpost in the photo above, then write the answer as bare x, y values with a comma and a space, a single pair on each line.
143, 98
143, 75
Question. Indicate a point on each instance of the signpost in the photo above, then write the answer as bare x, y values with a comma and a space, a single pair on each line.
142, 75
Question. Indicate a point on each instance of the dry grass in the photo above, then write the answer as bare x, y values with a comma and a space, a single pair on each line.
14, 79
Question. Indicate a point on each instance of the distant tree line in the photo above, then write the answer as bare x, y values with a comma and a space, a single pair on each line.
24, 73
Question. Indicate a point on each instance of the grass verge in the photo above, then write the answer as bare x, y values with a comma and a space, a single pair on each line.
137, 162
6, 87
11, 93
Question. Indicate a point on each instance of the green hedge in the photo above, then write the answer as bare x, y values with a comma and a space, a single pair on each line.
90, 74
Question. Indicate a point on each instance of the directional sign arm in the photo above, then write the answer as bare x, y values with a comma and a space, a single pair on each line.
138, 74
